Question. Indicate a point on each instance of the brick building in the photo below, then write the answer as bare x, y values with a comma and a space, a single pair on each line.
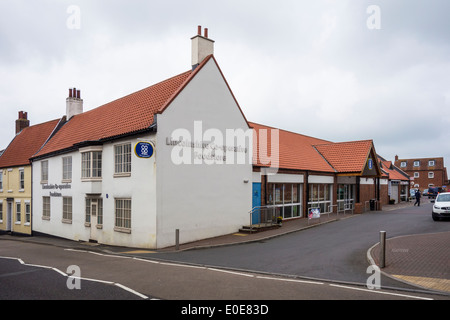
425, 172
313, 173
396, 183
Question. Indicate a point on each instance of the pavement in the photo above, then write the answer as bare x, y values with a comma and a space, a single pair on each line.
419, 260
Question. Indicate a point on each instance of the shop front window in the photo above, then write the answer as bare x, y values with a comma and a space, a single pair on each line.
285, 199
320, 197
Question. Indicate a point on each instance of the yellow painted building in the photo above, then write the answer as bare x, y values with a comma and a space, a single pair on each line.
15, 174
15, 199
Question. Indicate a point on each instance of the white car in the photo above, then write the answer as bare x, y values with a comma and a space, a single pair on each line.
441, 207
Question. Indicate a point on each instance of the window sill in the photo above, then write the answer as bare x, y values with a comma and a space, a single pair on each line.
123, 230
67, 221
121, 175
91, 179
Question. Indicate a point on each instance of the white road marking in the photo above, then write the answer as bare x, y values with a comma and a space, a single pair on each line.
380, 292
131, 290
216, 270
86, 279
290, 280
232, 272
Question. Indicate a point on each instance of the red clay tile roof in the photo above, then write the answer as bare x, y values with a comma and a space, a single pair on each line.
296, 151
127, 115
132, 113
346, 157
26, 144
392, 174
302, 152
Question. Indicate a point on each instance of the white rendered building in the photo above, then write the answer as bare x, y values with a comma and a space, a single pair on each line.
173, 156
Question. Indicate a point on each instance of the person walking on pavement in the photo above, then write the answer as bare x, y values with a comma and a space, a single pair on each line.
418, 195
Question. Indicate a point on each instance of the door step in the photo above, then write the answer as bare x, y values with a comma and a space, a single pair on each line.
258, 228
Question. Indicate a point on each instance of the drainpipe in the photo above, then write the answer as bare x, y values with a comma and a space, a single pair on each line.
306, 192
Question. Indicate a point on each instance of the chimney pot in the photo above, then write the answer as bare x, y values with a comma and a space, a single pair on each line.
78, 94
199, 30
206, 32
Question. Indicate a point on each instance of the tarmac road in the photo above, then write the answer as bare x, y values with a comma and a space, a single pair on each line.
335, 251
36, 271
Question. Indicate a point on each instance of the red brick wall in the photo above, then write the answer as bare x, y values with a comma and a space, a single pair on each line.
384, 197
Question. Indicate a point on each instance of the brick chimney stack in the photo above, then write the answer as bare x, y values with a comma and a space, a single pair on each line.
202, 47
74, 103
22, 122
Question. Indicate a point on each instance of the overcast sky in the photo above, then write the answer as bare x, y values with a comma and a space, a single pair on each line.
338, 70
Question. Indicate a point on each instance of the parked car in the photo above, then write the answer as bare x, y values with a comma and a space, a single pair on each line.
425, 192
441, 206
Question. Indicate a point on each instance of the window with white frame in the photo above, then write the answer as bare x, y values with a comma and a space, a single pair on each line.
1, 180
91, 164
1, 211
430, 175
87, 216
21, 179
416, 175
27, 212
46, 208
44, 171
123, 214
122, 159
67, 168
18, 211
416, 163
100, 211
431, 163
285, 199
403, 164
67, 209
320, 197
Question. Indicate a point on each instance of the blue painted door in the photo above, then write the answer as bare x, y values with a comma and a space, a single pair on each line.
256, 201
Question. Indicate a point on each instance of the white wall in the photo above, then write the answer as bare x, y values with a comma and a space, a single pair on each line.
140, 186
286, 178
201, 200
